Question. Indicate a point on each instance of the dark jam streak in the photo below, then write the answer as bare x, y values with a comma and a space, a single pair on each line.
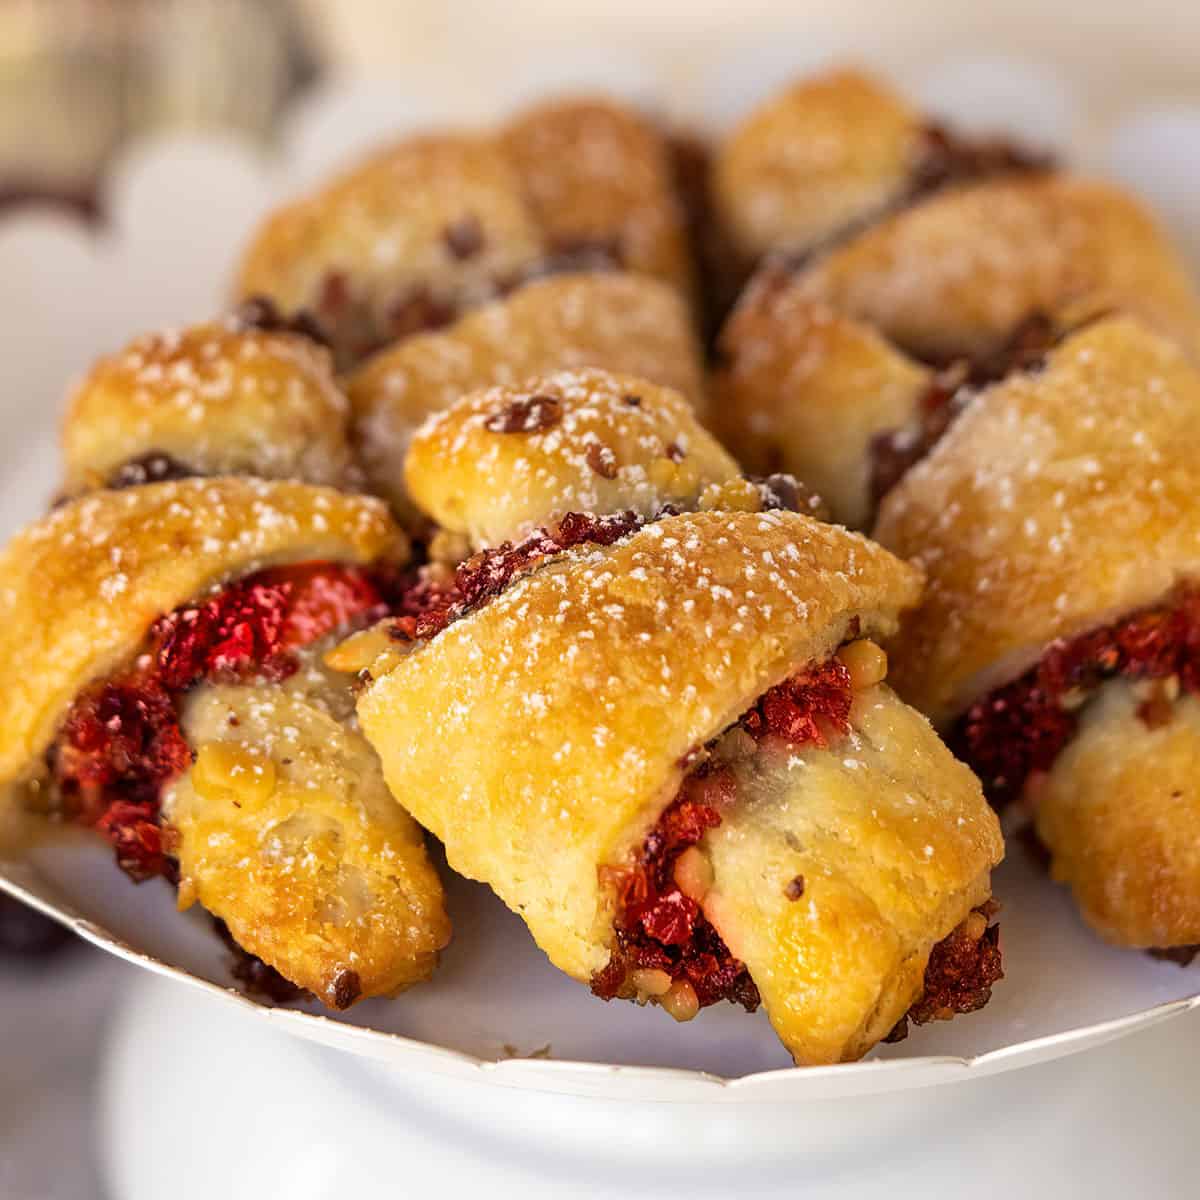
657, 926
1020, 729
425, 608
959, 977
954, 387
122, 743
428, 608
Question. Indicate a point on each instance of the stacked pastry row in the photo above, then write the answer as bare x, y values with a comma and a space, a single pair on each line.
992, 365
637, 690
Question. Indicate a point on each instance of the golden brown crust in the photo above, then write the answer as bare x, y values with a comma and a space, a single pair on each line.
82, 586
597, 174
957, 273
812, 160
1057, 501
287, 832
541, 736
1119, 812
805, 389
893, 842
218, 401
501, 463
438, 217
624, 323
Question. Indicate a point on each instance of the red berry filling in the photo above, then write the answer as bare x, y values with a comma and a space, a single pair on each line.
657, 926
959, 976
1020, 729
121, 742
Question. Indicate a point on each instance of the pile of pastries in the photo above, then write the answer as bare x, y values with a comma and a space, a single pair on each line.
704, 542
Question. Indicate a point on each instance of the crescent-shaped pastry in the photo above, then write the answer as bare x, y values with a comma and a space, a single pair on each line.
831, 373
651, 750
161, 679
830, 154
623, 323
955, 275
598, 177
414, 236
1059, 637
214, 399
502, 462
399, 244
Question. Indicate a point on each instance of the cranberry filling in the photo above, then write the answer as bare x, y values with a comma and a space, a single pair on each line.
426, 608
1019, 730
657, 926
960, 974
121, 742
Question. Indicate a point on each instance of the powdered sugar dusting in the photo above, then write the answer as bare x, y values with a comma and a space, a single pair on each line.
602, 443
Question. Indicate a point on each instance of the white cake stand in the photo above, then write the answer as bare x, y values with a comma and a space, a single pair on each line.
197, 1101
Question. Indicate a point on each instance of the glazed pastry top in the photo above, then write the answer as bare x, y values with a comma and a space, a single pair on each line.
437, 224
500, 463
598, 177
1058, 500
621, 322
814, 159
215, 399
957, 273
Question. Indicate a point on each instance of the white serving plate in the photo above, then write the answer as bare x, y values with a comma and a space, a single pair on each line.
496, 1011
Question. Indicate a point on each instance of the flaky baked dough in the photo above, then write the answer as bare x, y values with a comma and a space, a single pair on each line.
445, 222
1056, 502
82, 586
541, 737
893, 843
806, 389
612, 442
301, 850
812, 160
1119, 811
955, 274
596, 173
622, 322
387, 229
216, 399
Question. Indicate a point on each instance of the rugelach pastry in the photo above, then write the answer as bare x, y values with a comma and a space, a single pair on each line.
247, 395
625, 323
831, 154
1058, 642
411, 238
667, 745
505, 462
845, 371
169, 676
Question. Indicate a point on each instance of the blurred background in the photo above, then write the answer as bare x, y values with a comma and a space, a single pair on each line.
81, 79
